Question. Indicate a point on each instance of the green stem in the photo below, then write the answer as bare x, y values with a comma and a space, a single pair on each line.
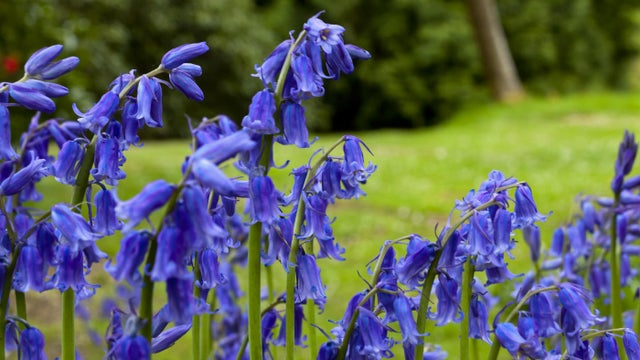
4, 301
495, 346
465, 303
616, 308
255, 330
291, 281
21, 304
245, 341
195, 321
342, 352
68, 325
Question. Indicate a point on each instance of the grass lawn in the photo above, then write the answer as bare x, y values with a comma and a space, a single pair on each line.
561, 146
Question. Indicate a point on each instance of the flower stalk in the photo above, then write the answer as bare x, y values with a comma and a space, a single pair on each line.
467, 281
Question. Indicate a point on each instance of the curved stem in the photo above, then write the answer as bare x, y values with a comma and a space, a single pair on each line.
495, 346
342, 352
465, 303
195, 321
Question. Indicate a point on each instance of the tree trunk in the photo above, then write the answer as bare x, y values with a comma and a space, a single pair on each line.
494, 50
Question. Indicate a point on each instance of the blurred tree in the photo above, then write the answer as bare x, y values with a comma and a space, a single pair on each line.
494, 50
425, 63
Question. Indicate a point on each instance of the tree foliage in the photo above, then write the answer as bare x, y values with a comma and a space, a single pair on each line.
425, 63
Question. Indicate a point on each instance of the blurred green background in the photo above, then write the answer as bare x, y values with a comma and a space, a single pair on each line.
425, 62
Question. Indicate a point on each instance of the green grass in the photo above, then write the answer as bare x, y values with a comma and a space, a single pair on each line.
561, 146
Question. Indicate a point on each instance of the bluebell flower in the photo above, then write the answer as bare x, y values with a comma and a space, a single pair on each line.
20, 180
322, 34
330, 180
70, 272
478, 318
210, 176
544, 314
624, 162
357, 52
609, 347
209, 266
182, 54
132, 347
48, 89
338, 61
131, 254
317, 223
574, 300
532, 346
180, 301
73, 229
196, 219
167, 338
557, 242
46, 242
509, 338
270, 68
299, 180
589, 215
152, 197
404, 313
353, 168
577, 236
224, 148
31, 270
502, 239
411, 269
268, 323
150, 101
260, 118
294, 125
108, 160
32, 344
309, 283
41, 58
280, 236
100, 114
105, 221
182, 78
65, 169
58, 68
130, 123
171, 255
373, 342
264, 200
308, 82
328, 351
31, 99
631, 347
479, 236
6, 150
448, 294
526, 209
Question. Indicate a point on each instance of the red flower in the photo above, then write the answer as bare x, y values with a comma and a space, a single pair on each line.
10, 64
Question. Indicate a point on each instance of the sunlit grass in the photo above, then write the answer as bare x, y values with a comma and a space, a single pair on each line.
560, 146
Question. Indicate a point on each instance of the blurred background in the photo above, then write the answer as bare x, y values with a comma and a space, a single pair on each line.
565, 71
427, 60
